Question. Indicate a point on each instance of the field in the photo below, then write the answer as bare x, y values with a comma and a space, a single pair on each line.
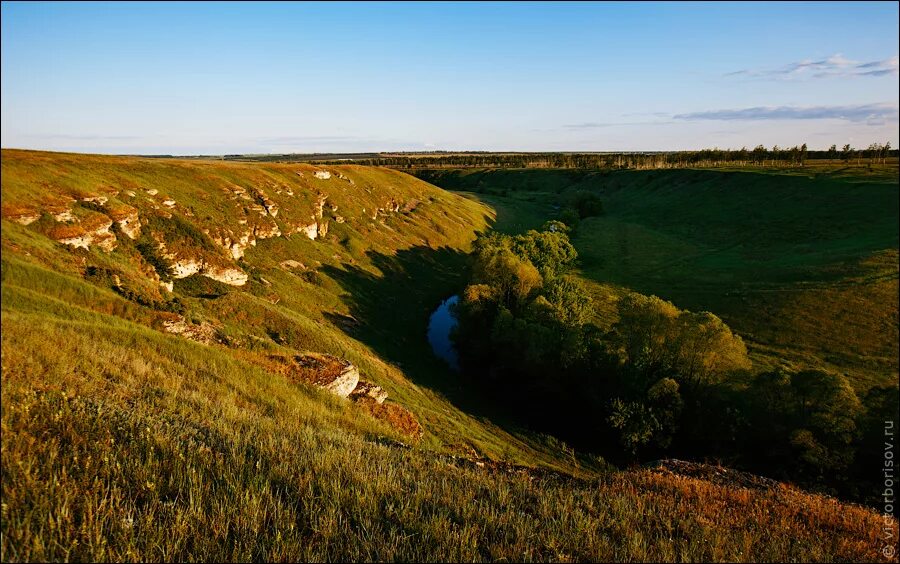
801, 263
122, 441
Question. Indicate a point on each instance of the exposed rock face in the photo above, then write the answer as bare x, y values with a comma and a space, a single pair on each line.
104, 238
204, 333
322, 228
94, 232
331, 373
78, 241
266, 231
128, 221
238, 247
64, 216
96, 199
322, 174
25, 218
320, 205
235, 246
184, 267
345, 382
153, 191
237, 250
311, 230
231, 276
368, 390
239, 192
169, 203
270, 206
292, 264
410, 205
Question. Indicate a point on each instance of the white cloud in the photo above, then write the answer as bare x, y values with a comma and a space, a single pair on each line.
871, 114
830, 67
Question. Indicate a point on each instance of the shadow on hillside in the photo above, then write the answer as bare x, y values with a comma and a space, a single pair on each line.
392, 311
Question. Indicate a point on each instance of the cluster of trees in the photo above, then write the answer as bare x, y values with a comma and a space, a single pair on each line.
874, 153
659, 381
581, 204
759, 156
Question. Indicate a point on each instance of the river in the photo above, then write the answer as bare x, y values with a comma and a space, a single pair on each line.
440, 325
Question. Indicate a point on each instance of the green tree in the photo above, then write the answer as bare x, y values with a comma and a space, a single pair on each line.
549, 251
806, 421
706, 349
634, 424
656, 339
666, 404
569, 216
587, 204
846, 153
569, 301
514, 279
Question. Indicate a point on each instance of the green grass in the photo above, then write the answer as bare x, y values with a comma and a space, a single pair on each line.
121, 442
802, 263
393, 260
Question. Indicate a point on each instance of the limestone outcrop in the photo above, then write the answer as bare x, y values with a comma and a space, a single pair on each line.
270, 206
94, 230
230, 276
22, 215
292, 264
128, 220
368, 390
202, 333
328, 372
182, 267
311, 230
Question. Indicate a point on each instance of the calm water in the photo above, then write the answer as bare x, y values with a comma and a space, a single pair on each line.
439, 327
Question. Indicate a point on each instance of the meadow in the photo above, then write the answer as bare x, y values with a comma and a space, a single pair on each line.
801, 262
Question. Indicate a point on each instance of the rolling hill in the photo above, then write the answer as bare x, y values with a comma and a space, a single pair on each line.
168, 326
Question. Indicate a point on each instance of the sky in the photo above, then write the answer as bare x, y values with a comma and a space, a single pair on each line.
222, 78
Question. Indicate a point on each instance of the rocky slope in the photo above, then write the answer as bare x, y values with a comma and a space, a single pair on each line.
152, 230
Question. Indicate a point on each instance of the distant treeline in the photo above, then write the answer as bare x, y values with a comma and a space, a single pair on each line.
875, 153
338, 158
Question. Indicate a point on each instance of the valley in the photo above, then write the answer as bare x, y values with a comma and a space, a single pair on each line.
160, 317
803, 265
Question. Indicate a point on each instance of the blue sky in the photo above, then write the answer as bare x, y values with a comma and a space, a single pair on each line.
217, 78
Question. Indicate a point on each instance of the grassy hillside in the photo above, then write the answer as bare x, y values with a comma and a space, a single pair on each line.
363, 291
122, 441
803, 265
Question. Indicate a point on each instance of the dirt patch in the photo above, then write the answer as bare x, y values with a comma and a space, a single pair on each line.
399, 418
712, 473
